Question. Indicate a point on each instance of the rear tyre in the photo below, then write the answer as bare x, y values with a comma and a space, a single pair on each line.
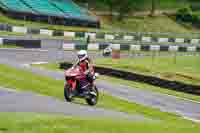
68, 94
93, 98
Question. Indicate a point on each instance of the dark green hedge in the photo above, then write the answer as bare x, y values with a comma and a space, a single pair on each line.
186, 15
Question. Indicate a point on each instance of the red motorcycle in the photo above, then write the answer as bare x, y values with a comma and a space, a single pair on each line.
73, 86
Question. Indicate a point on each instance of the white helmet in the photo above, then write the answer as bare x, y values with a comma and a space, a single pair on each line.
82, 55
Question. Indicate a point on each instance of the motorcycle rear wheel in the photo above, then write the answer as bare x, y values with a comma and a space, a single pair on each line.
93, 99
68, 93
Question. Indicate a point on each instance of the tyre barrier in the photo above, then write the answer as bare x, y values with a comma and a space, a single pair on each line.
144, 37
75, 45
155, 81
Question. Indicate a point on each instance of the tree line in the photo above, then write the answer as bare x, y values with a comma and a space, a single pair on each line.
123, 7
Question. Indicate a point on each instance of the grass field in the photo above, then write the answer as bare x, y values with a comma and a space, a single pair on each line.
43, 123
186, 69
147, 24
26, 81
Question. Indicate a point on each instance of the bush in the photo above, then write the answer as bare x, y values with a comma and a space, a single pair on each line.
64, 65
188, 16
196, 19
184, 15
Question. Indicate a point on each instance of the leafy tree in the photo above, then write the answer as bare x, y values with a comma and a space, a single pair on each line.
124, 7
153, 7
111, 5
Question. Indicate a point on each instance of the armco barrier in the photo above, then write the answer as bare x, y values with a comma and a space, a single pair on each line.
172, 85
23, 43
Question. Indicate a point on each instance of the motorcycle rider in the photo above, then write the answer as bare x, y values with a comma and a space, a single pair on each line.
84, 62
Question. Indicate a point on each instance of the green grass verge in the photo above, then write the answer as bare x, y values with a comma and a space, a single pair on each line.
43, 123
27, 81
186, 69
5, 33
9, 46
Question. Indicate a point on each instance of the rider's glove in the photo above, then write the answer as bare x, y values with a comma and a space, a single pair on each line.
86, 72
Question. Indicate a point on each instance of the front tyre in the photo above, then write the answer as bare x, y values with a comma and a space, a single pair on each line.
93, 98
68, 94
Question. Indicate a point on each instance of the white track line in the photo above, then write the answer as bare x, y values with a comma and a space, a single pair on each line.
39, 63
192, 119
185, 99
34, 63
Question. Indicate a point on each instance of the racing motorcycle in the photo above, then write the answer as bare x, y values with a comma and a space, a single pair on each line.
73, 87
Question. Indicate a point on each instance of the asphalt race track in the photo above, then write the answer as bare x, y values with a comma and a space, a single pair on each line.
52, 55
185, 108
11, 101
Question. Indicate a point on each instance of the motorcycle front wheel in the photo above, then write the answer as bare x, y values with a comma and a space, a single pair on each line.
68, 93
93, 98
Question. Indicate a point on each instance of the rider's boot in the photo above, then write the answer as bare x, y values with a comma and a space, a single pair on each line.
93, 93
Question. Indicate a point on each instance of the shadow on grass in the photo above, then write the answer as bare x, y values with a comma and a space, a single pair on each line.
3, 129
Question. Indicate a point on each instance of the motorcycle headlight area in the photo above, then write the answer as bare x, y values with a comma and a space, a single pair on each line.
68, 78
